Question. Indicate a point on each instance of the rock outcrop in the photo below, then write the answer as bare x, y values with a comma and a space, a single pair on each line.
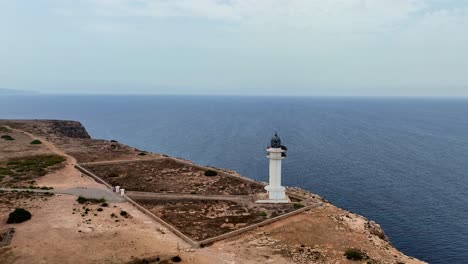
50, 128
72, 129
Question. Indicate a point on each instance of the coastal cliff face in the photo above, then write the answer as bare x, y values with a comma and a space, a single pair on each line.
72, 129
50, 128
321, 234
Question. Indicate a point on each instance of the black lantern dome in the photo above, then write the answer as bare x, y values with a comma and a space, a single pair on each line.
275, 141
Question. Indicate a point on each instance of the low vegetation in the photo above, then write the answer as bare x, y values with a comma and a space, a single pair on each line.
124, 214
354, 254
6, 172
36, 142
4, 130
18, 216
176, 259
113, 175
83, 200
146, 260
7, 137
263, 213
211, 173
298, 205
35, 165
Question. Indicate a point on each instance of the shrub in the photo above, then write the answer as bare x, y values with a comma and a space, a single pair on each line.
100, 209
36, 142
104, 204
142, 154
123, 213
263, 213
4, 130
354, 254
176, 259
83, 200
7, 137
113, 175
210, 173
18, 216
298, 205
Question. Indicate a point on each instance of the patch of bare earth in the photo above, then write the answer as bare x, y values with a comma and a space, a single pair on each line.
322, 235
94, 150
19, 147
168, 175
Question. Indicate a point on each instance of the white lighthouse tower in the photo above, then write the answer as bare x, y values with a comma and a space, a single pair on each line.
276, 192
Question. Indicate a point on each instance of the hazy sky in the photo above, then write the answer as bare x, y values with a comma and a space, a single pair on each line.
248, 47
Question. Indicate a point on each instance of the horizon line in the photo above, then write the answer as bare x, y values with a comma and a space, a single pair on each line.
37, 93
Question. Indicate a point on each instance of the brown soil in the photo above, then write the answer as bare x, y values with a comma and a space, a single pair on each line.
72, 138
324, 234
93, 150
170, 175
204, 219
20, 147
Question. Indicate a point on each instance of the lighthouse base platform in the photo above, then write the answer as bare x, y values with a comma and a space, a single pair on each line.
273, 196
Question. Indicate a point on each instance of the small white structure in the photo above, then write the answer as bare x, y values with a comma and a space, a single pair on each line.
276, 192
122, 192
117, 189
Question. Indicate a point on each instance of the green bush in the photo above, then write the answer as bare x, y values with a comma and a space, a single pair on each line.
7, 137
298, 205
124, 214
6, 171
210, 173
176, 259
4, 130
142, 154
83, 200
36, 142
263, 213
35, 164
354, 254
18, 216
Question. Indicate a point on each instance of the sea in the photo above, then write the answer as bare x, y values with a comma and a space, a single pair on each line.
402, 162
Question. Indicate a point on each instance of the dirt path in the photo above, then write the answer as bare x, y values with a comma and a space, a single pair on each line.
68, 176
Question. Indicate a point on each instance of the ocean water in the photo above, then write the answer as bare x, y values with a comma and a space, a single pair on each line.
400, 162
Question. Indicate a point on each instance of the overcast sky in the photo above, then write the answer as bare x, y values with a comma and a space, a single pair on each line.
242, 47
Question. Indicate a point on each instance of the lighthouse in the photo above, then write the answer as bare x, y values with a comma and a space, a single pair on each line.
276, 153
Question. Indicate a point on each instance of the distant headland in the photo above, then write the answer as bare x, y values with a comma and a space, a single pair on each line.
16, 92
